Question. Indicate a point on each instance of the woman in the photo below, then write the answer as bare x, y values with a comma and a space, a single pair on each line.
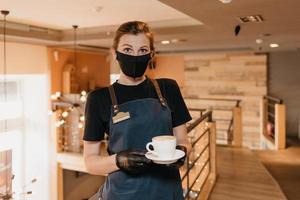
132, 111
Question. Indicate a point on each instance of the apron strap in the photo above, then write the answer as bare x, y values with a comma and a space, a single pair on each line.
115, 102
113, 99
157, 89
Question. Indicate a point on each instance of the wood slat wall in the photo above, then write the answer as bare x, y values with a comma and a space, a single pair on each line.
230, 76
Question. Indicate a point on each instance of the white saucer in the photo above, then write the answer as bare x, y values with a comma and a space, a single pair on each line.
156, 159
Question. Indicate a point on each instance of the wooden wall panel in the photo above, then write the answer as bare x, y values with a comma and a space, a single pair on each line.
229, 76
90, 66
169, 67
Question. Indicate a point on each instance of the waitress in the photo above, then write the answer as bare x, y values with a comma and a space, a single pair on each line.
132, 111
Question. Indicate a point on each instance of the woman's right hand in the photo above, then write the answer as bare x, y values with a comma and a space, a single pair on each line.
133, 161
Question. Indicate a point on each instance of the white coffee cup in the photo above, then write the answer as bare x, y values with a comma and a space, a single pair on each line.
164, 146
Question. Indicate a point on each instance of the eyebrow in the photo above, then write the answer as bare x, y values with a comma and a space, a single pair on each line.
127, 45
132, 46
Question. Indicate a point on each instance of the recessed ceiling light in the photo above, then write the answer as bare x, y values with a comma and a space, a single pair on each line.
165, 42
251, 18
174, 40
274, 45
178, 40
225, 1
259, 41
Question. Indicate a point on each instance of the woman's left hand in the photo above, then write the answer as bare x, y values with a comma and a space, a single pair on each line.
133, 161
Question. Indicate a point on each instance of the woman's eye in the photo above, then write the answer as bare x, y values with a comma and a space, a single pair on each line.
144, 51
127, 50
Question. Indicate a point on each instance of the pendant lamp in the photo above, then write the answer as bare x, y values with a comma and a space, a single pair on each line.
4, 13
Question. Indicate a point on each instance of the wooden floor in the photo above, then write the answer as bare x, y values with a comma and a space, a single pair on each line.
241, 176
284, 165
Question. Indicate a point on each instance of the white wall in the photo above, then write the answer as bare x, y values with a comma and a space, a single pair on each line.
36, 134
29, 140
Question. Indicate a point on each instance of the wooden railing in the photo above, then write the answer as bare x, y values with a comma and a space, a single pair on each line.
273, 127
199, 174
199, 110
234, 132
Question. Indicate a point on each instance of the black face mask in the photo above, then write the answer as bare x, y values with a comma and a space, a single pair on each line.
133, 66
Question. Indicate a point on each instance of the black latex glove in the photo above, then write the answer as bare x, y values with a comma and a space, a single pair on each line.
133, 161
179, 162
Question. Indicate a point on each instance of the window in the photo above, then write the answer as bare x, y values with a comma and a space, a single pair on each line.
11, 105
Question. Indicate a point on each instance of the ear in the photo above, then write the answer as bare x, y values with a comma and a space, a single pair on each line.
152, 54
113, 53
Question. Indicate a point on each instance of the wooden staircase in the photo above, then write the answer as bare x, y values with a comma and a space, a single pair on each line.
241, 176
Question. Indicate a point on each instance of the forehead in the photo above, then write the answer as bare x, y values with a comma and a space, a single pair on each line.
134, 40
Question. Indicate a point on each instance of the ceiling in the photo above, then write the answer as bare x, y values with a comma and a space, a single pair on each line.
281, 20
62, 14
200, 25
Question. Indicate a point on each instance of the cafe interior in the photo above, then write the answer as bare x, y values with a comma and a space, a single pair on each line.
237, 64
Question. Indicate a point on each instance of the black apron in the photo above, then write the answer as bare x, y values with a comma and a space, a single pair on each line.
149, 117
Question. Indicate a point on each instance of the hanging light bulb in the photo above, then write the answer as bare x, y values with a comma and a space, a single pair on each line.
59, 123
82, 118
80, 125
83, 98
83, 93
65, 114
58, 94
53, 97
